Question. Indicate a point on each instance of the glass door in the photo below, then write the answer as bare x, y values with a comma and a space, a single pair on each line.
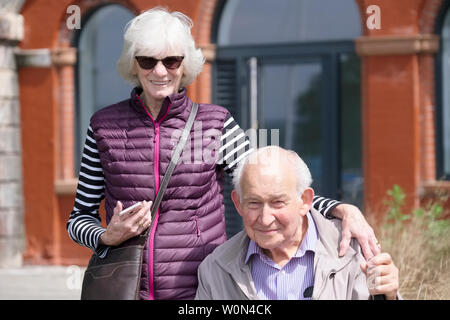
309, 96
289, 94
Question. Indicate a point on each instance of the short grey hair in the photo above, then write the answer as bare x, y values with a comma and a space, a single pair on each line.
155, 32
303, 175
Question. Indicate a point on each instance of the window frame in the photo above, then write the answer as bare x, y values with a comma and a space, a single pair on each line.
328, 53
75, 42
235, 57
439, 100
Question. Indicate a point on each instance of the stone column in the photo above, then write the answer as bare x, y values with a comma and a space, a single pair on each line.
12, 238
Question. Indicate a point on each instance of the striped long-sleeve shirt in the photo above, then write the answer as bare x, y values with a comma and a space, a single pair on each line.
84, 224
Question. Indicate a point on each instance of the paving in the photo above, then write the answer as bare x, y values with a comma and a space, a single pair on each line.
41, 283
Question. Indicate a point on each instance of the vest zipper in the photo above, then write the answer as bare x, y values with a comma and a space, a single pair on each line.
151, 291
197, 227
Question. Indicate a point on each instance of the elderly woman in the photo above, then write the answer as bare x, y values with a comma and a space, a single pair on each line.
127, 151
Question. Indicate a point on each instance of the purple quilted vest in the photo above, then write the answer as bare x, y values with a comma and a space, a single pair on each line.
135, 151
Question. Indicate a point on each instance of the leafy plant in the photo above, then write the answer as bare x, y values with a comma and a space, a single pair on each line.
428, 217
419, 243
396, 202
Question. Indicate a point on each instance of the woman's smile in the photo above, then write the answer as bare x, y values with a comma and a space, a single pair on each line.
160, 83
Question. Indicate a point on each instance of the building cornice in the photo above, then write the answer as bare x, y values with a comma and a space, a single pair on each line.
46, 57
209, 51
397, 45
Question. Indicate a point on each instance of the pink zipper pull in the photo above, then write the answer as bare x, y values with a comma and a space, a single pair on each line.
196, 225
156, 133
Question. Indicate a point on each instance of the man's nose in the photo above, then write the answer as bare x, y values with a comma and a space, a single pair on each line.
266, 217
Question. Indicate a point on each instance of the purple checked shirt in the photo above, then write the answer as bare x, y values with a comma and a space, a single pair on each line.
289, 282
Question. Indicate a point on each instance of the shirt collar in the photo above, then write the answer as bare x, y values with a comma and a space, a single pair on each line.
173, 104
253, 248
308, 242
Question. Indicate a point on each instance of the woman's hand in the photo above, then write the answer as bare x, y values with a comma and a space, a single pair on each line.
127, 226
382, 276
354, 225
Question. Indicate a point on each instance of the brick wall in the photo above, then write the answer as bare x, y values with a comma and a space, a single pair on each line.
431, 189
398, 107
427, 21
399, 100
50, 183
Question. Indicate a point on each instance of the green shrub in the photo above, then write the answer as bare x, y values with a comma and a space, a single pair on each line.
419, 243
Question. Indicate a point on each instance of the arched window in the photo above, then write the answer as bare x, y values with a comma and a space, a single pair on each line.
290, 65
98, 84
443, 112
287, 21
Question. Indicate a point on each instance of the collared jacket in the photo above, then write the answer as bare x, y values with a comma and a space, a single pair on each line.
224, 274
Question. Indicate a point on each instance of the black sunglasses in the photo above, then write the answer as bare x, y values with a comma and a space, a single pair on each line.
147, 63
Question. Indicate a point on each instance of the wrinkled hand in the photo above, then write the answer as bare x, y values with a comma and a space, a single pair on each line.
354, 225
382, 276
127, 226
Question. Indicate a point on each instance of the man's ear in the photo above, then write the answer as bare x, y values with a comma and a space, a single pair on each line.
237, 201
307, 199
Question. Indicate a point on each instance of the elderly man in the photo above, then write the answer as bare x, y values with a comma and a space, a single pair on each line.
288, 250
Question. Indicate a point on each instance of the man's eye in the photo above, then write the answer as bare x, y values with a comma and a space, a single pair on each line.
253, 204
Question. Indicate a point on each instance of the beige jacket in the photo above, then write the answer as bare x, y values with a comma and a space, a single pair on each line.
224, 275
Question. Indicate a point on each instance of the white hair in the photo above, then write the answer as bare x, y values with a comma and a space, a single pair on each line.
156, 32
302, 173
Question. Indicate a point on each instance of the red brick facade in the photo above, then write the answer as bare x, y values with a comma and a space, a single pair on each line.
398, 108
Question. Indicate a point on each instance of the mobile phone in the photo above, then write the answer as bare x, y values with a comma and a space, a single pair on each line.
134, 207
